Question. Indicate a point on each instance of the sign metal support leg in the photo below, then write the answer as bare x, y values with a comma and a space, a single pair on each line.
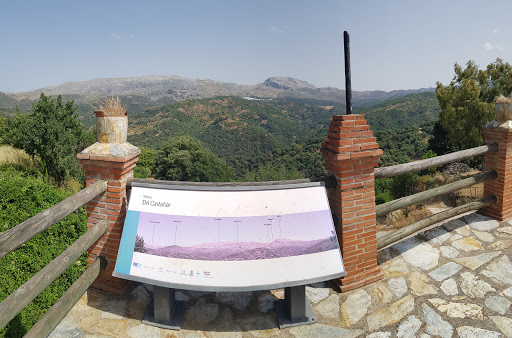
294, 309
164, 310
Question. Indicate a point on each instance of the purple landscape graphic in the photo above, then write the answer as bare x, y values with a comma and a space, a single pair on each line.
235, 239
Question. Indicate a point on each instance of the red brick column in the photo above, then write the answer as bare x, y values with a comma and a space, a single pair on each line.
113, 162
351, 153
500, 131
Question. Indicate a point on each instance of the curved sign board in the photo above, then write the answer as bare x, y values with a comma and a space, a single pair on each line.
229, 239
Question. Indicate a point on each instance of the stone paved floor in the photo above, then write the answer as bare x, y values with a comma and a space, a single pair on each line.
452, 281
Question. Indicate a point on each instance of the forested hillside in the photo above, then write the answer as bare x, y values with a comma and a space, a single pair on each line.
243, 132
403, 112
249, 134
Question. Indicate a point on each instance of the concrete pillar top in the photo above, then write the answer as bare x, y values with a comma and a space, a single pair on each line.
503, 114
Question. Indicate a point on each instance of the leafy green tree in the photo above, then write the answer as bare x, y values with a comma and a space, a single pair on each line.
439, 143
52, 132
467, 103
184, 158
144, 168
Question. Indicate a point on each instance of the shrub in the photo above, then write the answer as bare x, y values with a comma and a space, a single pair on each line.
383, 197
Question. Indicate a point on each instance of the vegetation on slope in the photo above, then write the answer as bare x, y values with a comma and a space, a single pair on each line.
240, 131
407, 111
22, 196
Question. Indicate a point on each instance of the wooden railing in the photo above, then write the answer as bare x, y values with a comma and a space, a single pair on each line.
23, 232
404, 202
434, 162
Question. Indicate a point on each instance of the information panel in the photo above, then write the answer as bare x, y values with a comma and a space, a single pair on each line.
229, 240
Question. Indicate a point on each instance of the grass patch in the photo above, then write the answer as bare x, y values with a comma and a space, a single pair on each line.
16, 157
404, 217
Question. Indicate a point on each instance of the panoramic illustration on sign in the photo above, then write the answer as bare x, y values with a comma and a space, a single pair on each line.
232, 238
229, 238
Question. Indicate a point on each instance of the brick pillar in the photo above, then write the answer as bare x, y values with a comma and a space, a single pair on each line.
351, 153
500, 131
111, 159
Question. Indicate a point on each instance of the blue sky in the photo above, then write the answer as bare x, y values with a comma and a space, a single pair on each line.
394, 44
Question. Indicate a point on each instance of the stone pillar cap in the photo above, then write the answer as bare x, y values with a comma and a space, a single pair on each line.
116, 152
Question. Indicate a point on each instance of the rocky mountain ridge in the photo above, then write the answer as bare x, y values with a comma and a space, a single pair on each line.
160, 89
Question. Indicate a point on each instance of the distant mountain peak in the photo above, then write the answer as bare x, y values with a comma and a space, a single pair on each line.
287, 83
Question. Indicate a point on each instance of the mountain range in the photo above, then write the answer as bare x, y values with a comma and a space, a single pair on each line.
142, 92
233, 251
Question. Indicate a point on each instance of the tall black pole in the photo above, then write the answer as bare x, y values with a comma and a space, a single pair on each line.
348, 82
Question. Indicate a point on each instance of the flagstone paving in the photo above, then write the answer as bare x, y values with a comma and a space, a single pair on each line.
454, 280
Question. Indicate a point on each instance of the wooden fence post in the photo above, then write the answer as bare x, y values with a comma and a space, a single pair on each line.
351, 153
111, 159
500, 131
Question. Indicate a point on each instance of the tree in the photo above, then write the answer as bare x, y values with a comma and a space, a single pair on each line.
184, 158
52, 132
146, 163
139, 244
438, 143
467, 103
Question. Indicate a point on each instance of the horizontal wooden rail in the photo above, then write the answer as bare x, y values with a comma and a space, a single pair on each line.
411, 229
330, 181
20, 298
434, 162
52, 318
404, 202
25, 231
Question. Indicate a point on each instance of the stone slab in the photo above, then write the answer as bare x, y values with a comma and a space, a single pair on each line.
444, 271
435, 325
474, 262
355, 307
418, 253
390, 314
499, 270
498, 304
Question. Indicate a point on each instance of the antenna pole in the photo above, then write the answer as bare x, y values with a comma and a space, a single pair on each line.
348, 83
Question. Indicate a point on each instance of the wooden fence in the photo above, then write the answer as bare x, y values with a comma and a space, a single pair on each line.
382, 209
23, 232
